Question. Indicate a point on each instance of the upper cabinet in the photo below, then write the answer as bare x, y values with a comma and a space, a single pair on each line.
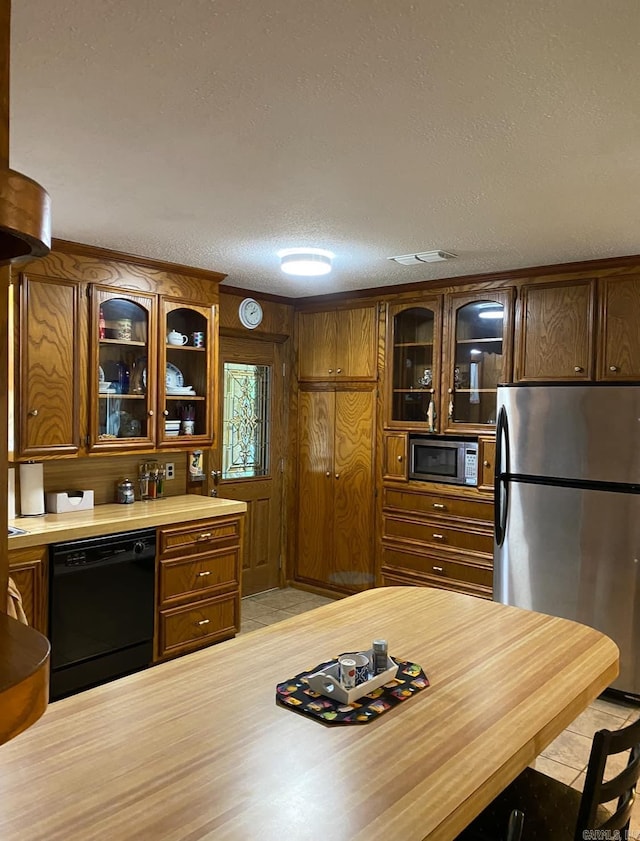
48, 370
618, 356
338, 345
414, 337
123, 357
555, 331
580, 330
478, 357
187, 360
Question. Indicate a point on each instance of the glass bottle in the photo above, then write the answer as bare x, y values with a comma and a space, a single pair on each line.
102, 325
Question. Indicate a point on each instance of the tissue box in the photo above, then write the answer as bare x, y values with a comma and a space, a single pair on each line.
62, 502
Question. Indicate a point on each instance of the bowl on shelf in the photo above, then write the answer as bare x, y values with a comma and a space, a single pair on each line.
104, 385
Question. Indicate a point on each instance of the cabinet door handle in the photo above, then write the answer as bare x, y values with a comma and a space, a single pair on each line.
439, 506
578, 369
613, 367
150, 413
486, 463
331, 370
205, 536
166, 413
337, 475
338, 370
33, 413
202, 574
400, 458
437, 536
204, 622
328, 473
437, 569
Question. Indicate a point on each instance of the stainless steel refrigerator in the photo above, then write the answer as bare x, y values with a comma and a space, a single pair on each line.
568, 509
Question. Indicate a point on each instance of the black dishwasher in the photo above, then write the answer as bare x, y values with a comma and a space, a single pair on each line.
101, 609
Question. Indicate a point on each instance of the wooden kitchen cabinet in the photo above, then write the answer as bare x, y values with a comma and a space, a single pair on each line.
438, 537
335, 519
48, 367
555, 331
414, 341
198, 584
394, 456
618, 357
476, 357
123, 365
28, 569
189, 364
338, 345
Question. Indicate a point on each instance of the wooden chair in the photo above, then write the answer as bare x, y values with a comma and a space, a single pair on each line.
556, 811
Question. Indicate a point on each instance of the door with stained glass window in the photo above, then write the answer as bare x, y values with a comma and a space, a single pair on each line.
249, 460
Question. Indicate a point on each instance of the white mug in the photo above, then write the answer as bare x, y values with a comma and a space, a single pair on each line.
175, 338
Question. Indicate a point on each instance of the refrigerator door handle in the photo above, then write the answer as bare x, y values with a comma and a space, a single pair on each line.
501, 484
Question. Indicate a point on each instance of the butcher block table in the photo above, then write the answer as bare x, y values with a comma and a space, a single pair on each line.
197, 748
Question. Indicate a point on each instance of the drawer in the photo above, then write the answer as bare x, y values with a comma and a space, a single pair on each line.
439, 505
194, 625
437, 535
197, 537
189, 578
438, 568
398, 578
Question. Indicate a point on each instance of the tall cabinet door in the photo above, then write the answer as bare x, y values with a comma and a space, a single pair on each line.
315, 483
619, 347
49, 376
353, 497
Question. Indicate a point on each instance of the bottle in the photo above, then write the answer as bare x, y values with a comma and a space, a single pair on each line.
102, 325
379, 656
126, 493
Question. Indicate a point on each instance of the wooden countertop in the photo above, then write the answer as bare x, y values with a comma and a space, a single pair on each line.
196, 748
106, 519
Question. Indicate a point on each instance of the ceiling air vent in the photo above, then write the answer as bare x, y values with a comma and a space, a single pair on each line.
423, 257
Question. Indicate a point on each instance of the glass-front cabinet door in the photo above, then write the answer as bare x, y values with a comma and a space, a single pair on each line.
185, 388
413, 370
123, 365
478, 358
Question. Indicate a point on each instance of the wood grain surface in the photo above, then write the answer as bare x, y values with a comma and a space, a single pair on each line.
197, 748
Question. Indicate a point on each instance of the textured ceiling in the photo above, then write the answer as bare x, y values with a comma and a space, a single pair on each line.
213, 133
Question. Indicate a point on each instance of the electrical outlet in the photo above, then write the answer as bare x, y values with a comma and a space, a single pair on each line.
170, 470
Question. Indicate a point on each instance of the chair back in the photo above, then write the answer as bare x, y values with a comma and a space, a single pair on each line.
622, 786
514, 829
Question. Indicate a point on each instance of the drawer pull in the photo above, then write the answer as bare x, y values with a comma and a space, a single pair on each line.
202, 574
204, 622
206, 536
439, 506
613, 368
438, 569
437, 536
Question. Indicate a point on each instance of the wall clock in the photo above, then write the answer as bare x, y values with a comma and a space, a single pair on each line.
250, 313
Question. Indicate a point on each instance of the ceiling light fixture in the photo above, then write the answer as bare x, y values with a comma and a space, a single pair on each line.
305, 262
423, 257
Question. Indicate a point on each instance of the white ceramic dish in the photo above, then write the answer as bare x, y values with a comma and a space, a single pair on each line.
100, 374
104, 385
174, 378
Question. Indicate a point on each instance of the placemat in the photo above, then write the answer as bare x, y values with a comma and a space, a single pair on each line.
295, 694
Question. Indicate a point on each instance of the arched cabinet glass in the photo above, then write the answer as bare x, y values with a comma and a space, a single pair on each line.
414, 377
478, 359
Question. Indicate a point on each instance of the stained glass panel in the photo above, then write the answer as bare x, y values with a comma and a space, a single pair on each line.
246, 421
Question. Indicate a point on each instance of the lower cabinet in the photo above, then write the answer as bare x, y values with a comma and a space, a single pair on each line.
28, 569
441, 537
198, 584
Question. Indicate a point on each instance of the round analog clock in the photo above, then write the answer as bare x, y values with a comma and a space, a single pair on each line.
250, 313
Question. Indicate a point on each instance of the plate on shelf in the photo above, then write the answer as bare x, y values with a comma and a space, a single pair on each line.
181, 390
100, 374
174, 377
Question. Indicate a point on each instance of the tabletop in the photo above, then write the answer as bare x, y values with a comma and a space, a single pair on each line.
196, 748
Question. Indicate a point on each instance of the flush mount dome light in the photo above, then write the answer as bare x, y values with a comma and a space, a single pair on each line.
306, 262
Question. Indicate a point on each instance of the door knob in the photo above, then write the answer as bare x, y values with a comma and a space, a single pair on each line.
337, 475
150, 413
399, 458
613, 367
338, 370
328, 473
33, 413
578, 369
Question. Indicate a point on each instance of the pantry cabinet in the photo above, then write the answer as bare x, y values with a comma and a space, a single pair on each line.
335, 518
338, 345
48, 373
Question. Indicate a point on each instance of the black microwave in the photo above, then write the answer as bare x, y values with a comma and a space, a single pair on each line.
452, 460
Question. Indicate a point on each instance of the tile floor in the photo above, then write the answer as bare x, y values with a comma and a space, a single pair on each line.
565, 758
